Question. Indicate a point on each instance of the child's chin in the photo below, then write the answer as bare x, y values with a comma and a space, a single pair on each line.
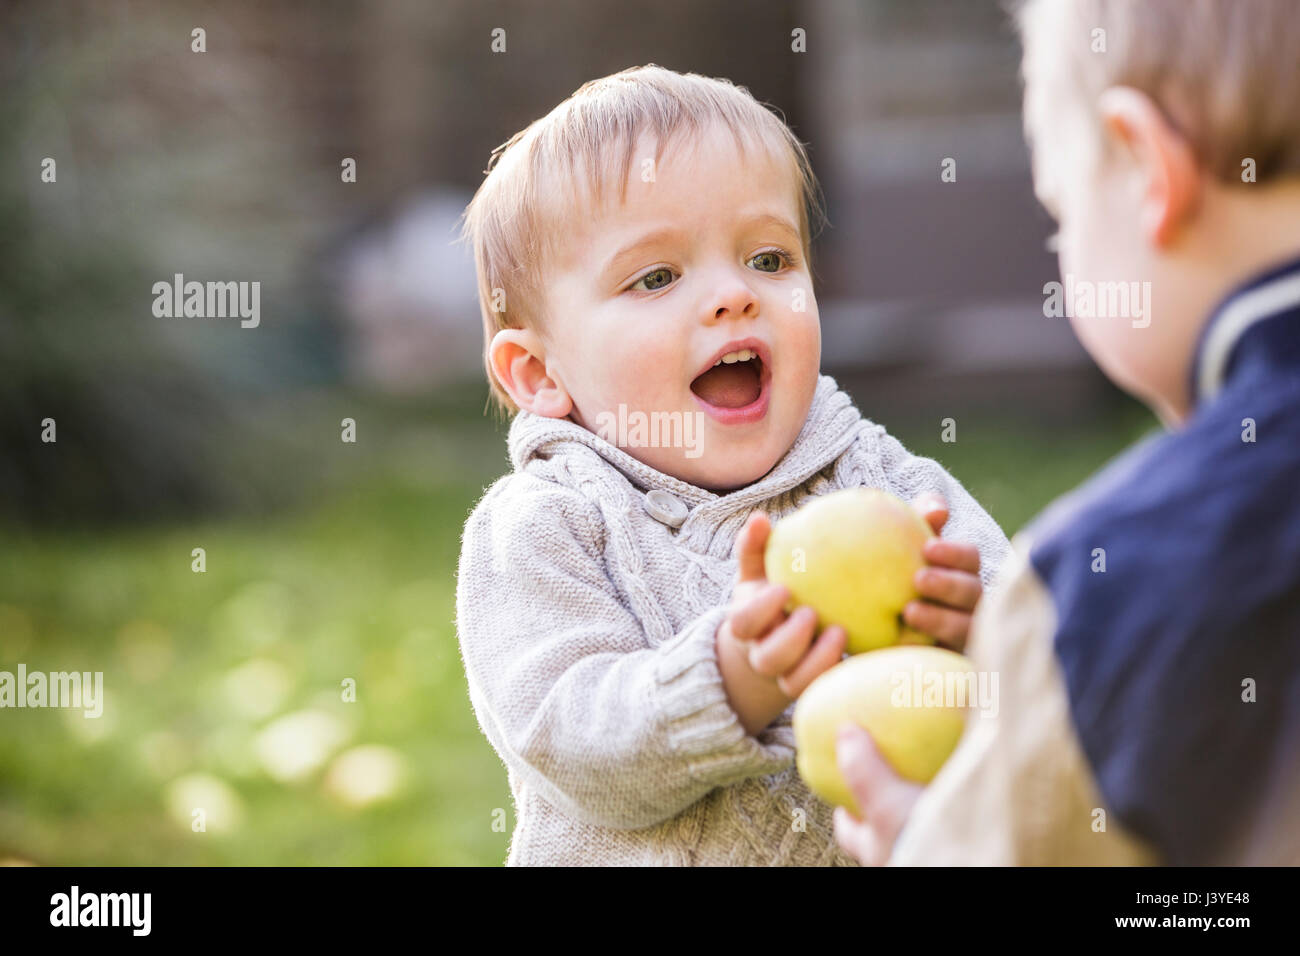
729, 472
713, 463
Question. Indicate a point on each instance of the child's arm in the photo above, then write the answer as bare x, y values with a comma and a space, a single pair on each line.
565, 681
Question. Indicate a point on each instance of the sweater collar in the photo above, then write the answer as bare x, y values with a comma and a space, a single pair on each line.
1258, 322
826, 434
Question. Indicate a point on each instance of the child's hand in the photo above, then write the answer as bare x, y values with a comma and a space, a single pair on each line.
885, 798
950, 585
768, 658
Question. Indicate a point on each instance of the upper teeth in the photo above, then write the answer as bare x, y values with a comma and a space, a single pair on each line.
744, 355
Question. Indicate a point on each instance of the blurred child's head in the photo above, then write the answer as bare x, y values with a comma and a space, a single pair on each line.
1166, 142
626, 241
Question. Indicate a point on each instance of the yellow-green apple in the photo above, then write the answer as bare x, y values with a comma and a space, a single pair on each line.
912, 700
851, 556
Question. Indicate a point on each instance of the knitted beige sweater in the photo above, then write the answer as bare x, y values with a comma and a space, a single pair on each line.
587, 628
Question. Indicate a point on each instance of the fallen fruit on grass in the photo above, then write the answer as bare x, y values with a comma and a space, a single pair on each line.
851, 556
912, 700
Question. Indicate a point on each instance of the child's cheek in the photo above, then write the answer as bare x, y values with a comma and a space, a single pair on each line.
807, 335
644, 374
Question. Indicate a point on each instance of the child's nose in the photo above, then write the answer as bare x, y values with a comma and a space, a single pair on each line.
733, 299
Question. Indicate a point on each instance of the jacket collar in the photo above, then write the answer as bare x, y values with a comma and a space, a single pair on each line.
828, 431
1258, 322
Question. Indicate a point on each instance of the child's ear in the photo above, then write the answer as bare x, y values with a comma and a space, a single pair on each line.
519, 361
1171, 177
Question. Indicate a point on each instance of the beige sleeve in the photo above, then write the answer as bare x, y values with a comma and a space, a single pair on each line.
1018, 789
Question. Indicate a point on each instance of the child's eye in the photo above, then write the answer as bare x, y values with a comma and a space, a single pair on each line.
653, 281
771, 260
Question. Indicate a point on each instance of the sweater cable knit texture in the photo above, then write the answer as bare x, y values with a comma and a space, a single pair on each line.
587, 632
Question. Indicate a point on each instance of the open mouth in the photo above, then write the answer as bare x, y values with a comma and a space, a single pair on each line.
734, 388
734, 382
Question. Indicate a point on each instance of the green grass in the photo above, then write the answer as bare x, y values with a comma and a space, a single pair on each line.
354, 583
357, 584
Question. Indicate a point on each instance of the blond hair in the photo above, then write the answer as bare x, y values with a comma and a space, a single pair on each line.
570, 157
1226, 73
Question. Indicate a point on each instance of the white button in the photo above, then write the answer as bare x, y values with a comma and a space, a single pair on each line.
664, 507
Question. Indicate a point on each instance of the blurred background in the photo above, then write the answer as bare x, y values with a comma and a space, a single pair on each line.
325, 560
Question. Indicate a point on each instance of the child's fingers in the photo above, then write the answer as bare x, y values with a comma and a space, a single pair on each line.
945, 625
933, 509
781, 649
825, 653
749, 547
756, 616
952, 554
959, 589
